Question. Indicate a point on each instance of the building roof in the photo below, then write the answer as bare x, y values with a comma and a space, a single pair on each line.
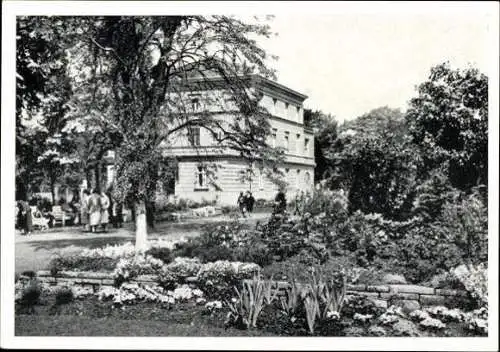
269, 86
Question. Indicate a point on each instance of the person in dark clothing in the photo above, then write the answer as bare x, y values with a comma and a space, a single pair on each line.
280, 202
250, 201
118, 214
241, 204
111, 209
25, 219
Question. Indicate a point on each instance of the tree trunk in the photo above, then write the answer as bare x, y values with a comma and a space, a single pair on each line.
52, 188
150, 213
151, 196
88, 178
141, 230
97, 173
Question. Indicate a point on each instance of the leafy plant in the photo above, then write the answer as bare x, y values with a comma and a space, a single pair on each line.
252, 298
291, 300
30, 295
312, 309
64, 296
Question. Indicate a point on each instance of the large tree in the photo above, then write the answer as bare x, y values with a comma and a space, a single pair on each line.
133, 78
373, 161
449, 123
42, 90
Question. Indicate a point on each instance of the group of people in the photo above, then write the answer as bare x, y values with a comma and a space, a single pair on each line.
98, 210
246, 202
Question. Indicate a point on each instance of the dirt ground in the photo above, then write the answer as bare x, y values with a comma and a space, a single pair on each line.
34, 252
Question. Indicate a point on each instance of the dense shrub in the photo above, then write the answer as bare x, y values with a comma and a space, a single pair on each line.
29, 273
361, 305
162, 253
64, 296
28, 294
218, 279
81, 263
254, 251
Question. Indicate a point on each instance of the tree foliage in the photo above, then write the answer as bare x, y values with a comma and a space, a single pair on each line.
42, 91
372, 161
449, 124
324, 127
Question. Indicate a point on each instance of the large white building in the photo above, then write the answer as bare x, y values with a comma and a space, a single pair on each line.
196, 148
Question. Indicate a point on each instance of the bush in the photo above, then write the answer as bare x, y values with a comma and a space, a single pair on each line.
213, 254
29, 273
30, 294
475, 281
254, 251
361, 305
168, 279
64, 296
218, 279
81, 263
162, 253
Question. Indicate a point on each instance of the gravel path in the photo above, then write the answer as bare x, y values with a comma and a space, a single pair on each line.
34, 252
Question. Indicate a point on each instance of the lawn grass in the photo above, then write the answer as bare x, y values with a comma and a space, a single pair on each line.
71, 325
93, 317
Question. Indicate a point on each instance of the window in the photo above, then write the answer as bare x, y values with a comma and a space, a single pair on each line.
286, 106
306, 145
195, 104
201, 178
297, 144
220, 136
273, 137
194, 135
307, 178
297, 108
297, 179
287, 140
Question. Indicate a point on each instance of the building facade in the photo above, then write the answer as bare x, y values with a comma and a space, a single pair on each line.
229, 173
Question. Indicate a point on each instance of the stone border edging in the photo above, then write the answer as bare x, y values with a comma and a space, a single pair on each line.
381, 294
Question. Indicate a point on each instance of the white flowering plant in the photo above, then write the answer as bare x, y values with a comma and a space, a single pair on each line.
432, 323
475, 280
391, 315
132, 293
218, 278
129, 268
446, 314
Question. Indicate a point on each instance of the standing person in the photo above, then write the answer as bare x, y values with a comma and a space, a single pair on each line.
299, 203
94, 210
241, 204
280, 202
84, 210
26, 220
111, 208
105, 203
118, 213
250, 200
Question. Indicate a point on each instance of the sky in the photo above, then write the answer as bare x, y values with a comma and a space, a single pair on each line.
350, 63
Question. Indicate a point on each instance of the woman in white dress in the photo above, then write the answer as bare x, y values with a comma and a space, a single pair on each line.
85, 210
104, 200
94, 210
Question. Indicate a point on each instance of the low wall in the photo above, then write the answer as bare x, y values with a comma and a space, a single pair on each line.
383, 295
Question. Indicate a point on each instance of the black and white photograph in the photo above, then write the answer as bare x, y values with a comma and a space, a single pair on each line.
258, 175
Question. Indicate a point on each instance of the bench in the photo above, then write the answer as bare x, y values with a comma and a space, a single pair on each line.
60, 216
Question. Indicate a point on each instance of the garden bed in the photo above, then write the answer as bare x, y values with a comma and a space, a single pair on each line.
382, 295
308, 275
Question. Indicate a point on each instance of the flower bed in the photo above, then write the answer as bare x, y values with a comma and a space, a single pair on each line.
324, 290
